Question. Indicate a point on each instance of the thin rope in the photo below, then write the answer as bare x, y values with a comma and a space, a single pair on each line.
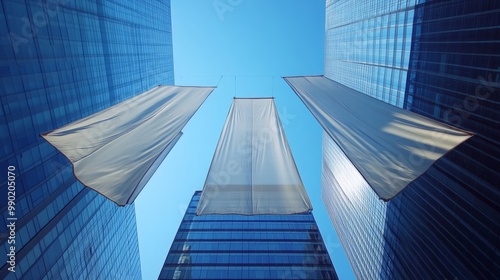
219, 81
272, 88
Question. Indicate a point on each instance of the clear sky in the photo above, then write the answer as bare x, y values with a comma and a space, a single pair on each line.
251, 44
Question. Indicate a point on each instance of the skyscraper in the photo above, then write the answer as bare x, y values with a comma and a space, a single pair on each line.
62, 61
439, 59
247, 247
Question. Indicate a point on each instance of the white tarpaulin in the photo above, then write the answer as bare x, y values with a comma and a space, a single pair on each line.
389, 146
117, 150
253, 171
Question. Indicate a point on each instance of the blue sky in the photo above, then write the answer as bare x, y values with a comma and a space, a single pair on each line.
251, 44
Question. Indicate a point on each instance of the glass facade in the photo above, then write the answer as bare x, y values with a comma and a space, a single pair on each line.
367, 46
61, 61
445, 224
356, 211
247, 247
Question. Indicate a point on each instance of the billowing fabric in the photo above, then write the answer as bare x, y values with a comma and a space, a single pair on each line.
253, 170
389, 146
116, 151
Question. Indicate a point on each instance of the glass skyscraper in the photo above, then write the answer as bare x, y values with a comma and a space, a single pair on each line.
367, 46
440, 59
247, 247
62, 61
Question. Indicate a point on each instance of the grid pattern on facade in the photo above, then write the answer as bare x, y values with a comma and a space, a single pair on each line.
356, 211
454, 77
247, 247
455, 68
61, 61
86, 240
445, 224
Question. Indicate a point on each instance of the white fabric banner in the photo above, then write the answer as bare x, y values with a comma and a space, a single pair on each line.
388, 145
253, 170
116, 151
